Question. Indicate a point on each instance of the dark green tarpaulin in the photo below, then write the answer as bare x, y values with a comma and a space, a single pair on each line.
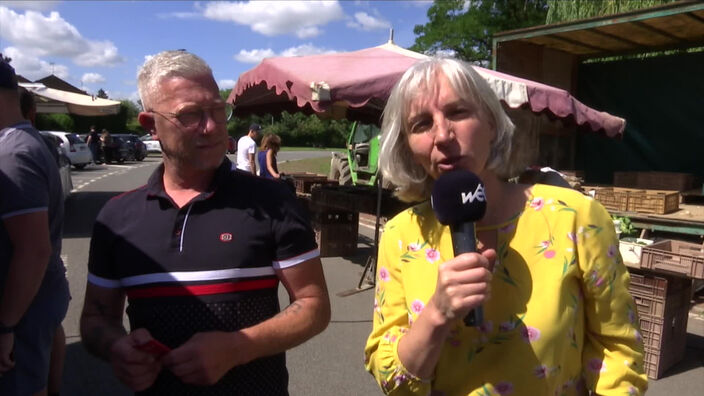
662, 100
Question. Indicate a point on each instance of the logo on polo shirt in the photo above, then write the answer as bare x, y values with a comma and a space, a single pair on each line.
225, 237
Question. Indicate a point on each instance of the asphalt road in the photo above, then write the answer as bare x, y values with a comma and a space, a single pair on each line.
329, 364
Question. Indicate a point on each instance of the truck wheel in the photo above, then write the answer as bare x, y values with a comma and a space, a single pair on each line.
334, 168
345, 174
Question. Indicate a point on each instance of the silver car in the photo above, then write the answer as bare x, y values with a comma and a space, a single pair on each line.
74, 148
153, 146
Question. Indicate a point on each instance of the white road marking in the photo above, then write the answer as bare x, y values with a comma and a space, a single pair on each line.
120, 169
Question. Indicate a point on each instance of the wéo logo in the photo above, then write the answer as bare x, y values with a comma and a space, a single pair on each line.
478, 195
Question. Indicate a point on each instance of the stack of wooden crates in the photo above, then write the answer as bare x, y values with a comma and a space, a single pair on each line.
336, 231
661, 285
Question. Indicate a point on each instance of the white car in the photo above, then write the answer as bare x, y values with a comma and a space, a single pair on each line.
153, 146
74, 148
62, 161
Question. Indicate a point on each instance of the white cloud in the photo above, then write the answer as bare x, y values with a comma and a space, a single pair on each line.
256, 55
305, 49
92, 78
43, 5
226, 84
32, 67
51, 35
272, 18
364, 21
179, 15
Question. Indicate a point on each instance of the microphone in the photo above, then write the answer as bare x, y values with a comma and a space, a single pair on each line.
458, 200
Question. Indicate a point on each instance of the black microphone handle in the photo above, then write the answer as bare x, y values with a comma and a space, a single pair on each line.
464, 240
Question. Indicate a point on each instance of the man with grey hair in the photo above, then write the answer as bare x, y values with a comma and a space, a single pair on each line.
34, 292
198, 261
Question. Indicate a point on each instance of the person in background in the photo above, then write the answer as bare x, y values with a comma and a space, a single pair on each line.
34, 292
28, 107
271, 144
558, 317
246, 148
106, 146
198, 260
94, 143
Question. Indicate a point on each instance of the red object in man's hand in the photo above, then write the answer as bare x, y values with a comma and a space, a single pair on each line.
154, 347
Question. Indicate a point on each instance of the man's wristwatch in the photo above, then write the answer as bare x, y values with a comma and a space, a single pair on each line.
6, 329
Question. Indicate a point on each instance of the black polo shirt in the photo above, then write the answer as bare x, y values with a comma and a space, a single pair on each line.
206, 266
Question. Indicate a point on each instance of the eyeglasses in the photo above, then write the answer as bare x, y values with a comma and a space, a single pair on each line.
192, 117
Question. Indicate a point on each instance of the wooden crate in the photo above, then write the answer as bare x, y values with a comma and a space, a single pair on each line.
336, 232
675, 257
304, 182
612, 199
662, 302
653, 201
657, 180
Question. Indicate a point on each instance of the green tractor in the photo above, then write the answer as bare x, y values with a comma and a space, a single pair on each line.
359, 164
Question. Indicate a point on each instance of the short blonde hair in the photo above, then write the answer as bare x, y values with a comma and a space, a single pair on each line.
178, 63
396, 160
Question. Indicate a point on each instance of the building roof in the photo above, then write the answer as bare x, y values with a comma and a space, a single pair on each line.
671, 26
54, 82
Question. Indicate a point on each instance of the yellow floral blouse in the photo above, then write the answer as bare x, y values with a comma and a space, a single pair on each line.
560, 320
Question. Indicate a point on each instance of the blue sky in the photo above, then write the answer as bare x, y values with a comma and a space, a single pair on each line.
101, 44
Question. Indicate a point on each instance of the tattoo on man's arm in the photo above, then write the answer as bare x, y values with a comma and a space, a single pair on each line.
294, 308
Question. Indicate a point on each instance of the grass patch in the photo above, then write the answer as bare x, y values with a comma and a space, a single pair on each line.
313, 165
338, 149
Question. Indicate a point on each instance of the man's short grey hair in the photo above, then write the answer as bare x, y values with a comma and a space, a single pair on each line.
177, 63
396, 160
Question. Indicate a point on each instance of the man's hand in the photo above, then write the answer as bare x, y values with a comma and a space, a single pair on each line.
136, 369
7, 342
205, 358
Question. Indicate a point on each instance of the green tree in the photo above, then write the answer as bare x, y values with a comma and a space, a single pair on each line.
465, 27
568, 10
102, 94
55, 122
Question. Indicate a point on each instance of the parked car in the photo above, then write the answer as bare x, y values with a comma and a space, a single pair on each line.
153, 146
74, 148
137, 150
118, 151
64, 164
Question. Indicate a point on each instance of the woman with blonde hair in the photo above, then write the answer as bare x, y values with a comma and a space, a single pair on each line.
558, 317
266, 157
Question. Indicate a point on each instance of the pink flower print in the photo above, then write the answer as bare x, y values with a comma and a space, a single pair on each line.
384, 274
612, 251
508, 228
486, 327
376, 305
632, 391
504, 388
413, 247
432, 255
597, 365
545, 244
639, 337
572, 236
506, 326
537, 203
530, 334
541, 371
549, 254
599, 282
417, 306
